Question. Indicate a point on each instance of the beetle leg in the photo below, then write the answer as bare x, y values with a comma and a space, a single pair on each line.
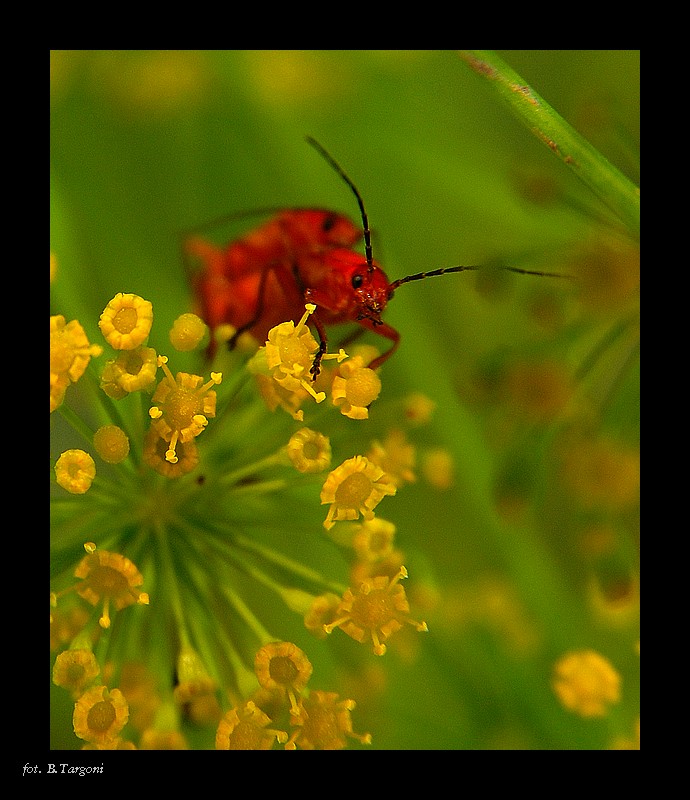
383, 329
258, 312
323, 345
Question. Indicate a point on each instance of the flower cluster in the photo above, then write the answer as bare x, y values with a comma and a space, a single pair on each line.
176, 500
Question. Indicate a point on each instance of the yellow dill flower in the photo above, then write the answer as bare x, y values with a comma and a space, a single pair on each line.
65, 624
152, 739
58, 387
70, 353
182, 407
74, 670
193, 679
373, 539
601, 472
275, 395
70, 350
355, 487
156, 449
355, 388
289, 353
132, 371
283, 668
388, 566
126, 321
112, 744
608, 271
375, 611
324, 723
323, 610
538, 390
245, 728
438, 467
111, 444
75, 471
187, 332
153, 85
283, 366
418, 408
245, 342
203, 709
364, 353
111, 578
309, 451
100, 714
396, 457
615, 601
586, 683
138, 684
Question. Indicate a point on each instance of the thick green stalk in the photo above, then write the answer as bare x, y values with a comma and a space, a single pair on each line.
607, 182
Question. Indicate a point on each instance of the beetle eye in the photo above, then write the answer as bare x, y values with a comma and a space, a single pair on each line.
328, 223
357, 281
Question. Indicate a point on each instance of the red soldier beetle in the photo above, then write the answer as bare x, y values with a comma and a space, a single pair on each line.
304, 256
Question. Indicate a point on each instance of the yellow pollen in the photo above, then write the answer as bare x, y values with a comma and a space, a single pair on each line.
353, 491
101, 716
125, 320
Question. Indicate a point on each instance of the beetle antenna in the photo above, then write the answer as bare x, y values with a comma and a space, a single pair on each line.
365, 220
443, 270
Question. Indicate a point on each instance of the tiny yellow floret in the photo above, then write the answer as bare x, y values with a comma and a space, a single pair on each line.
355, 487
324, 723
156, 450
75, 471
355, 388
110, 578
375, 611
245, 728
438, 467
309, 451
70, 353
396, 457
183, 405
187, 332
602, 472
586, 683
193, 679
289, 353
418, 408
74, 670
283, 668
111, 443
100, 714
537, 390
126, 321
152, 739
322, 611
132, 371
373, 539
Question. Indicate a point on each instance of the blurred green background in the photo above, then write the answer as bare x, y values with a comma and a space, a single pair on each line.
147, 144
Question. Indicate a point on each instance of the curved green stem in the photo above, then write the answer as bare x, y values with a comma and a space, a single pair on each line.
608, 183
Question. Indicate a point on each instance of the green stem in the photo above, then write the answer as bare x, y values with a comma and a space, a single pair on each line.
608, 183
260, 487
77, 423
229, 479
172, 587
296, 568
